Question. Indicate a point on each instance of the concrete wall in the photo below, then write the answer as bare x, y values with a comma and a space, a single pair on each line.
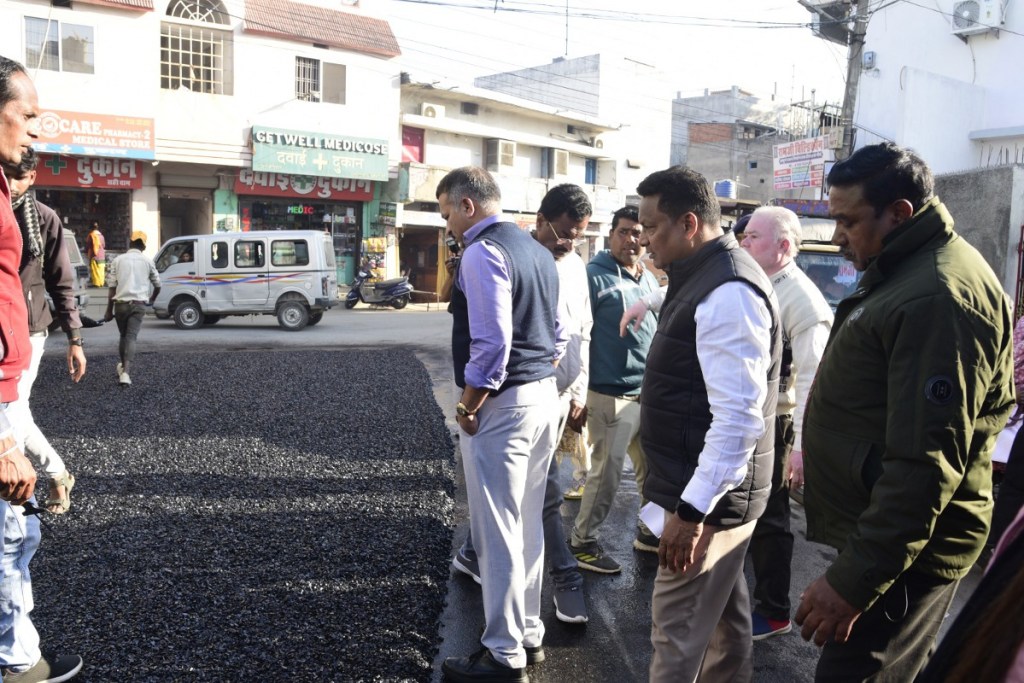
988, 208
931, 89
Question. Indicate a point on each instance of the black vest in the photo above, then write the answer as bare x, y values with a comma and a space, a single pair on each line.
534, 279
675, 414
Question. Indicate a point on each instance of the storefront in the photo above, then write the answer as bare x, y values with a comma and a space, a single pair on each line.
280, 201
83, 190
90, 166
331, 175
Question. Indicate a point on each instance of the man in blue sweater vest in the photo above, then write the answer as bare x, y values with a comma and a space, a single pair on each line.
506, 342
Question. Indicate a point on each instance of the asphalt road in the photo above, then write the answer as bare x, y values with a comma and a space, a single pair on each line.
615, 645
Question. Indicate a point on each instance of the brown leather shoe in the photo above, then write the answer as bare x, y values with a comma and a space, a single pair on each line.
481, 666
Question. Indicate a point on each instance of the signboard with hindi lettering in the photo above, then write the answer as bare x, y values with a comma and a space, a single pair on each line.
286, 185
95, 135
94, 173
318, 154
800, 163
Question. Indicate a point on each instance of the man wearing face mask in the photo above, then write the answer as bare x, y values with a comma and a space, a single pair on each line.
617, 280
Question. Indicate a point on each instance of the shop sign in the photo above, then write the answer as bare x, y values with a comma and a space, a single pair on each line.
318, 154
103, 174
801, 163
302, 186
95, 135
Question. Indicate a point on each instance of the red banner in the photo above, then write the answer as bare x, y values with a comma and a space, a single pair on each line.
93, 173
251, 182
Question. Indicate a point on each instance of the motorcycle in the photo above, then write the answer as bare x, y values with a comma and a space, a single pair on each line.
395, 292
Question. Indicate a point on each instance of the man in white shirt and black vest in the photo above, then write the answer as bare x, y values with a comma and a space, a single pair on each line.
707, 424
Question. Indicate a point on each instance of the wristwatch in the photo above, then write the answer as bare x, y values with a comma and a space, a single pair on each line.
75, 341
462, 411
688, 513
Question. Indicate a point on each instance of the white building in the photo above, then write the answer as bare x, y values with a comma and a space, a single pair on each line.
634, 94
938, 77
529, 148
191, 116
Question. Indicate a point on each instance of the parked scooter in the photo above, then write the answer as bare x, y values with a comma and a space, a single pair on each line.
395, 292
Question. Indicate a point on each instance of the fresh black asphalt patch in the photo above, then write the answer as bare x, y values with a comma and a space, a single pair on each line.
247, 515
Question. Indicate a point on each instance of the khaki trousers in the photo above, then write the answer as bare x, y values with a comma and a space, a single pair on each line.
613, 424
701, 619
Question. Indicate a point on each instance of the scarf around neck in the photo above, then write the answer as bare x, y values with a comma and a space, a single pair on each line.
25, 209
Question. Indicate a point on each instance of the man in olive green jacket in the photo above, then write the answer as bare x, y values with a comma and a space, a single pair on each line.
914, 386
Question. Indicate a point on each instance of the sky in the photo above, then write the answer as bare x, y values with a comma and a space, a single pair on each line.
762, 46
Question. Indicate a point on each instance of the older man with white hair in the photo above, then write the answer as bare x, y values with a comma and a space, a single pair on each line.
772, 237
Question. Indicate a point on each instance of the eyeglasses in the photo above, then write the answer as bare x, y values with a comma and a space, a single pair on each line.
565, 242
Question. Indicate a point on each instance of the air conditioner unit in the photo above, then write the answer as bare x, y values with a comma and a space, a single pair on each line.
976, 16
432, 111
500, 154
597, 142
558, 163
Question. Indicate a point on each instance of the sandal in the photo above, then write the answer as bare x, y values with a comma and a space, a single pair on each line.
60, 505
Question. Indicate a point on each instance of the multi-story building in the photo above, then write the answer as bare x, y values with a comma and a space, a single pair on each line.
190, 116
528, 146
938, 77
633, 94
729, 137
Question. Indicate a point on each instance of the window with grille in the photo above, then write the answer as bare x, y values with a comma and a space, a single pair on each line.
317, 81
307, 79
196, 57
59, 46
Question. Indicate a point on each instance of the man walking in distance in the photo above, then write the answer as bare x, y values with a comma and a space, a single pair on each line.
20, 658
506, 341
617, 280
563, 215
96, 252
772, 237
45, 269
708, 428
901, 421
132, 274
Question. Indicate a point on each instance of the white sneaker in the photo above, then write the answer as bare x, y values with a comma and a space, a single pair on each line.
124, 379
120, 370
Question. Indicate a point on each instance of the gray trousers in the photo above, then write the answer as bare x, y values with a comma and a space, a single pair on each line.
506, 464
614, 427
565, 571
129, 321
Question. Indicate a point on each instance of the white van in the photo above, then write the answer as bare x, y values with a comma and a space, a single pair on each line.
287, 273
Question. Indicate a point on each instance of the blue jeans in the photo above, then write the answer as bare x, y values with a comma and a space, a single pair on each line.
19, 641
564, 569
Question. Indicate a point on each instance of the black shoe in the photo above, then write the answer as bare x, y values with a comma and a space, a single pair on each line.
47, 670
646, 541
481, 666
534, 655
592, 557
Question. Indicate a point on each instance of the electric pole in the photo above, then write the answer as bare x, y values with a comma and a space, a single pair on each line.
853, 69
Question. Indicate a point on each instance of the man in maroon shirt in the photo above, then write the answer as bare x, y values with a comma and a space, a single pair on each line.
20, 658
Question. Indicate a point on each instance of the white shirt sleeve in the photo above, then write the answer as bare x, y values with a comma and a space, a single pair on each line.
578, 391
734, 350
808, 347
